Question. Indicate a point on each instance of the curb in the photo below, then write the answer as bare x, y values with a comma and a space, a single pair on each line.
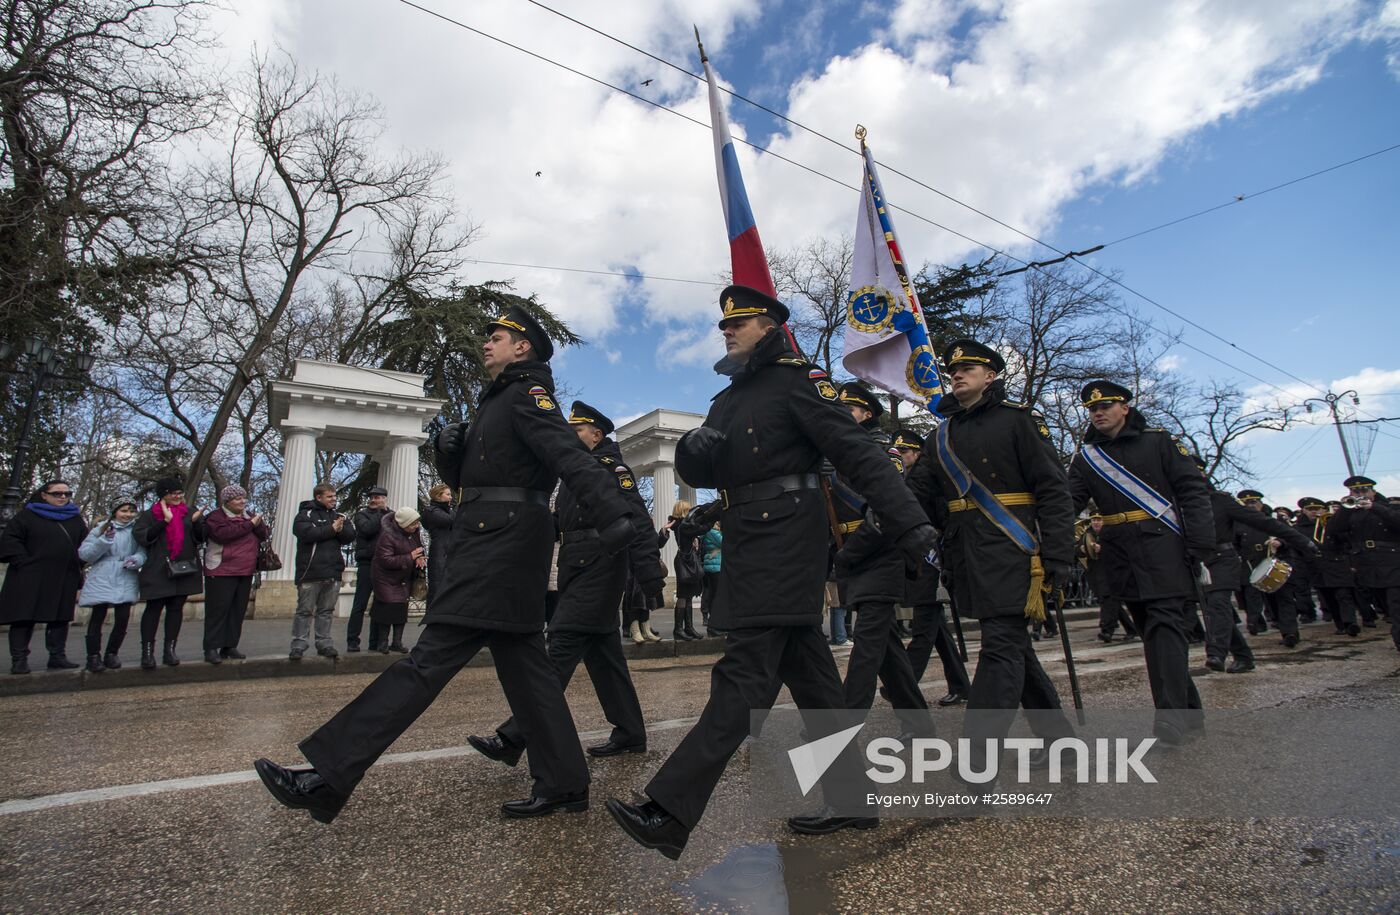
262, 668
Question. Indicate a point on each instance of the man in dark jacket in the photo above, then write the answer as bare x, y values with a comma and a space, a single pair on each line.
367, 521
761, 445
320, 532
1372, 529
1253, 547
1338, 604
873, 571
1223, 635
998, 450
930, 624
1150, 538
586, 625
506, 464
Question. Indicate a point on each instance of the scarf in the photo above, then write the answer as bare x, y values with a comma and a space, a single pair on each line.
53, 512
175, 528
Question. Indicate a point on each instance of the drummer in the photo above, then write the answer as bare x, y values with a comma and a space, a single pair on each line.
1253, 546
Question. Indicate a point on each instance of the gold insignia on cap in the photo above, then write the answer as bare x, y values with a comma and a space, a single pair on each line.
1096, 394
956, 355
729, 305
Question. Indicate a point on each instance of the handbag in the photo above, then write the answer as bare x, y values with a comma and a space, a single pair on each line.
179, 568
418, 590
268, 560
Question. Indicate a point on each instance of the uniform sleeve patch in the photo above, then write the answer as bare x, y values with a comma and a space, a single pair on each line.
544, 402
827, 390
816, 373
625, 479
1040, 425
538, 389
898, 464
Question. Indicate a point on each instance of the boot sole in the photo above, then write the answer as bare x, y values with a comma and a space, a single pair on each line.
666, 849
571, 807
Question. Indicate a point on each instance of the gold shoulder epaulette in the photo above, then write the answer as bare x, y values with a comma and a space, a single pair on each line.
792, 360
1014, 404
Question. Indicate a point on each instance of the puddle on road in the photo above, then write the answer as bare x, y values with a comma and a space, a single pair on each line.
763, 878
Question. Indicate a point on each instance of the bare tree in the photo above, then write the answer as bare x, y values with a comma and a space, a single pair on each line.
1214, 421
815, 280
303, 175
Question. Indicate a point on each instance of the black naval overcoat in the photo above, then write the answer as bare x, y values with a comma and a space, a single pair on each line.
869, 563
1003, 444
1146, 560
591, 583
779, 416
1336, 567
498, 569
1374, 536
1226, 569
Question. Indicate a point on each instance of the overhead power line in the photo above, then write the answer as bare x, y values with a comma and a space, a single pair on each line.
1064, 255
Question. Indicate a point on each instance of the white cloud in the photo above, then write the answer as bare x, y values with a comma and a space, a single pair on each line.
1032, 106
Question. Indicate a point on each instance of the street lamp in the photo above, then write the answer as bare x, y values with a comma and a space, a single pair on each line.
1331, 401
37, 360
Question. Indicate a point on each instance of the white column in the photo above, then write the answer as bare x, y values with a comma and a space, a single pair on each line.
687, 493
663, 499
402, 477
382, 461
298, 480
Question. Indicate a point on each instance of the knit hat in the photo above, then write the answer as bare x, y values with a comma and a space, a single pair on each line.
405, 516
167, 485
231, 492
119, 502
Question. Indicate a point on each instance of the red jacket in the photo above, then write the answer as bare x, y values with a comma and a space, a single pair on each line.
233, 544
393, 566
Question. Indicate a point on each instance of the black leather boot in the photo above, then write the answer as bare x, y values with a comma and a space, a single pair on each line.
111, 661
148, 655
690, 632
60, 662
94, 664
19, 663
169, 658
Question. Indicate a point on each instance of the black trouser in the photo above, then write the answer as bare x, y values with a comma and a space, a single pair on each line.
709, 583
1111, 613
1252, 599
1362, 597
1008, 677
551, 601
225, 605
756, 664
1223, 635
931, 634
174, 608
347, 745
1285, 610
55, 638
1340, 604
601, 654
1162, 623
121, 617
879, 654
1303, 599
364, 589
1388, 602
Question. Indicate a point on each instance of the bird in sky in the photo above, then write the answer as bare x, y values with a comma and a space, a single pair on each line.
538, 174
646, 82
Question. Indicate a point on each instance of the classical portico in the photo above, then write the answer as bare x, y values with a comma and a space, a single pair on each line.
648, 446
329, 407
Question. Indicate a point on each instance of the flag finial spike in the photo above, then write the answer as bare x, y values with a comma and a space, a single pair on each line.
703, 58
860, 133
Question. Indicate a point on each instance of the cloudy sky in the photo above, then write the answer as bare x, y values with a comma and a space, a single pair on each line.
1079, 123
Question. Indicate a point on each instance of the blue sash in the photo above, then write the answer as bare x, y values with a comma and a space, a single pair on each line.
1135, 490
971, 488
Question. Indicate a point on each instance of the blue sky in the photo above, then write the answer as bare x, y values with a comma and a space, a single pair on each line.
1078, 122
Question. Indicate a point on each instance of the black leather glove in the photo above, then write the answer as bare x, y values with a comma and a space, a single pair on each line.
915, 544
616, 535
452, 439
695, 456
1057, 574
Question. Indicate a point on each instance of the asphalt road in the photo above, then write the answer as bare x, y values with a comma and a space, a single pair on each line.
142, 800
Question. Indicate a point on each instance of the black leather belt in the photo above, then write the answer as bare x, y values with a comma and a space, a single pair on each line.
768, 489
587, 533
505, 494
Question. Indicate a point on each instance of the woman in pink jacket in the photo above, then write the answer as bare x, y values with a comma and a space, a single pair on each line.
230, 561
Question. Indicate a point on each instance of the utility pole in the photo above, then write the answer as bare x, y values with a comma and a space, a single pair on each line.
1331, 401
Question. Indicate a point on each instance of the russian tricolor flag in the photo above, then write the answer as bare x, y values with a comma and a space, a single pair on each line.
749, 264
